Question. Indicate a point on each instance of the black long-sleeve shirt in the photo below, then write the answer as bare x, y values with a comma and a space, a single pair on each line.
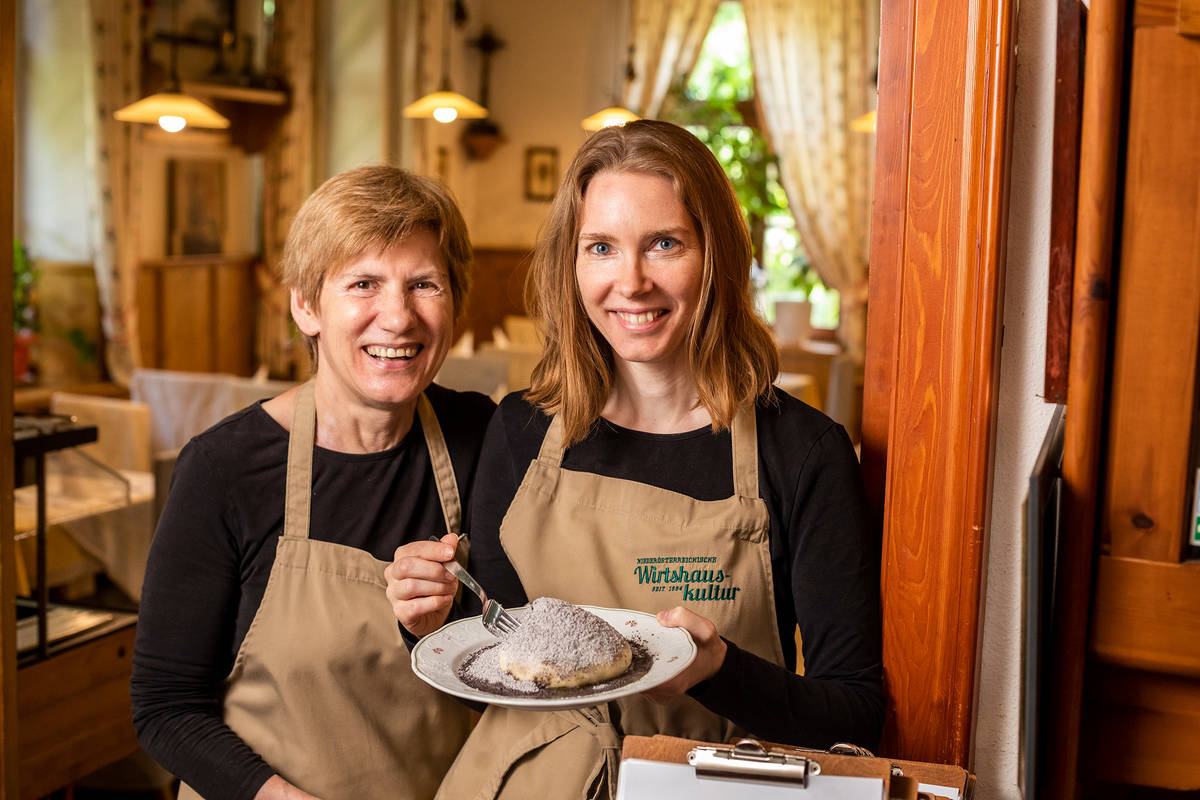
825, 556
214, 549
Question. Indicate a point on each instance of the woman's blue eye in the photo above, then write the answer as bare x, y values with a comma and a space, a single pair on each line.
601, 249
665, 243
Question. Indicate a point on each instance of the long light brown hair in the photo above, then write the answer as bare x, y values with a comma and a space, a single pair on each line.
369, 209
731, 352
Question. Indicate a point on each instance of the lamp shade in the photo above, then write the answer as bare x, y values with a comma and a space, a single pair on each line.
865, 123
168, 108
445, 106
614, 115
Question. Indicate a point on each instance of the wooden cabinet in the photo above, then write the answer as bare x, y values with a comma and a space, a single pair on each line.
197, 313
73, 711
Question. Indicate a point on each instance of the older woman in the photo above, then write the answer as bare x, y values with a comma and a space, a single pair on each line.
653, 442
268, 662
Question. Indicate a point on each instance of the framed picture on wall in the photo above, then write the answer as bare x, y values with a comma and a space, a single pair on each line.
196, 213
541, 173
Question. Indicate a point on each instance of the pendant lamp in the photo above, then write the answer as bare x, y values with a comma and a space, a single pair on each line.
445, 105
171, 108
864, 124
616, 114
607, 118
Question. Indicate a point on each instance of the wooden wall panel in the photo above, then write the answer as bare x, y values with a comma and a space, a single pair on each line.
185, 333
1146, 615
1155, 12
197, 313
149, 305
1158, 311
233, 318
1141, 728
1187, 22
933, 351
497, 290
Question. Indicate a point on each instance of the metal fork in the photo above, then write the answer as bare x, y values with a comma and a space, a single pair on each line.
496, 620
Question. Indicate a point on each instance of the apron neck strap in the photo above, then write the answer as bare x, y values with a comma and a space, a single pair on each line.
298, 498
443, 468
551, 453
743, 434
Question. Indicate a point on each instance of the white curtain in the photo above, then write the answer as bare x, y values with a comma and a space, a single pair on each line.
115, 81
814, 64
666, 36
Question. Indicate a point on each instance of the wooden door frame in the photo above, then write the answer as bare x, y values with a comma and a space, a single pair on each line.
938, 233
8, 612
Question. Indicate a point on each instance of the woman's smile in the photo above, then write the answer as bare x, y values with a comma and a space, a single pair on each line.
383, 325
639, 266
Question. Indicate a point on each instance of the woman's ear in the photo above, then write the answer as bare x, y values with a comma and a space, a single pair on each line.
307, 319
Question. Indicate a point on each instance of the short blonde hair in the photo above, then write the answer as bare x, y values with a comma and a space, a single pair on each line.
369, 209
731, 352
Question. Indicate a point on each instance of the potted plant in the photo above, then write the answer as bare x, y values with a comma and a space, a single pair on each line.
25, 321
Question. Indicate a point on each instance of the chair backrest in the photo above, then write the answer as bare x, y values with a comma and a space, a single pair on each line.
485, 371
183, 404
123, 428
522, 334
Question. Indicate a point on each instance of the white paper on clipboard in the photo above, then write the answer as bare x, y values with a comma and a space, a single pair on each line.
948, 792
660, 780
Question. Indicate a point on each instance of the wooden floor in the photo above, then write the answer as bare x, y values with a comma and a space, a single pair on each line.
1097, 790
98, 794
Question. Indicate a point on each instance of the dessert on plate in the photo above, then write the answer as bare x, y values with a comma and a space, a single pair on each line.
560, 645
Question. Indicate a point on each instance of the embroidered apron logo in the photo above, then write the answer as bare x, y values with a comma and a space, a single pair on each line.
681, 574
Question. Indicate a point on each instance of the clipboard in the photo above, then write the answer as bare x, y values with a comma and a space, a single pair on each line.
751, 766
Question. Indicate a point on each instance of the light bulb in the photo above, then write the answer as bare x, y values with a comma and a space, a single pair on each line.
171, 123
445, 114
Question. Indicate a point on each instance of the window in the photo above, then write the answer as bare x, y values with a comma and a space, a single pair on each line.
717, 105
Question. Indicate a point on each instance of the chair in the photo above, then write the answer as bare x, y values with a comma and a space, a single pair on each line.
801, 387
485, 372
183, 404
124, 428
105, 494
522, 333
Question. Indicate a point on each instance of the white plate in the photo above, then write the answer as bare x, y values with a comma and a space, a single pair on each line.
436, 659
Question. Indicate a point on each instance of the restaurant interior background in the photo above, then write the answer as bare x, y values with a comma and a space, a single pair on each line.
154, 310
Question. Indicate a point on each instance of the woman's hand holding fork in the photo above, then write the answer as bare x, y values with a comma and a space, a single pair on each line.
419, 588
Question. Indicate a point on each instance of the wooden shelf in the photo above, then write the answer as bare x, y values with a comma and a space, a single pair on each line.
238, 94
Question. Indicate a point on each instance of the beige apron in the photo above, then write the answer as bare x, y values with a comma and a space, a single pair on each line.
321, 687
611, 542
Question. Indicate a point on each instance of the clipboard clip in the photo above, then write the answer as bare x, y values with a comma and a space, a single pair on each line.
749, 759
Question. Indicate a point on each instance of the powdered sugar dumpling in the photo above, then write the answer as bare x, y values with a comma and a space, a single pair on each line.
561, 645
